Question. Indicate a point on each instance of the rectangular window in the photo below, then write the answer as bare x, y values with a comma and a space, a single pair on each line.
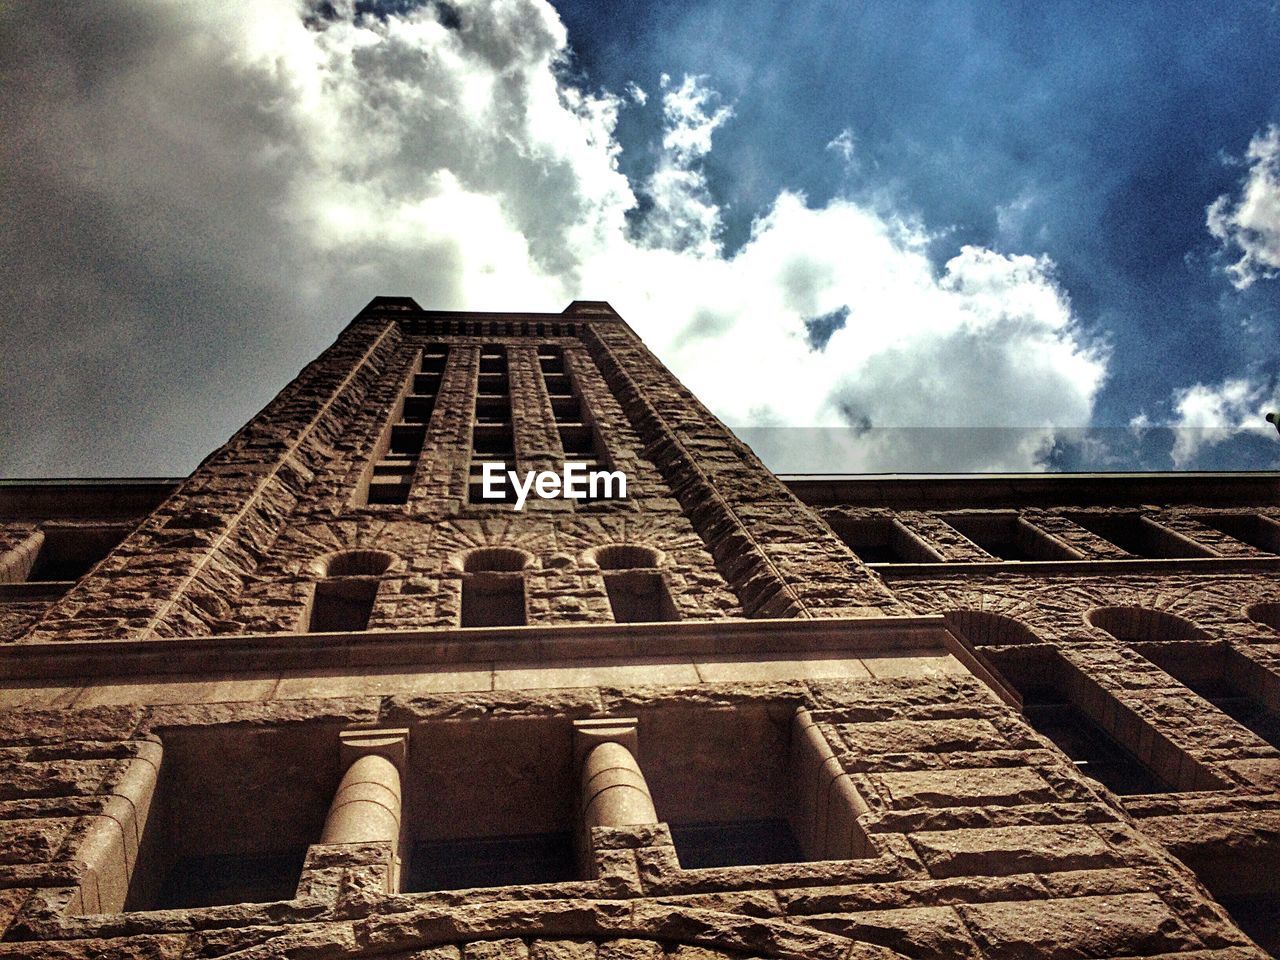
639, 596
1105, 739
342, 604
881, 540
234, 812
68, 552
389, 477
1139, 535
1257, 531
491, 862
738, 788
492, 805
1005, 535
1242, 689
493, 600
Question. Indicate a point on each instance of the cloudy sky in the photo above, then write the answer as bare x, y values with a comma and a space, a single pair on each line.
872, 235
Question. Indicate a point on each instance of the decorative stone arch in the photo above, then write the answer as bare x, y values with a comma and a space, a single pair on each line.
1134, 624
493, 560
985, 628
354, 562
623, 556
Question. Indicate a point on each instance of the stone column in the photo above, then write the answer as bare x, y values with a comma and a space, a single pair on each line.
614, 791
367, 806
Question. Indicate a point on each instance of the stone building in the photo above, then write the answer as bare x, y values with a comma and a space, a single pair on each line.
323, 699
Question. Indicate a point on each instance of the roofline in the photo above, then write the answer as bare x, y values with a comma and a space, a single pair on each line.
956, 490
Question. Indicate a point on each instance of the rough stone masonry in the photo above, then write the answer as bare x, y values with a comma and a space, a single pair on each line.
325, 699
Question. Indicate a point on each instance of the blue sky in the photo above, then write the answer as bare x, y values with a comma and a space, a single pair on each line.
1049, 229
1095, 133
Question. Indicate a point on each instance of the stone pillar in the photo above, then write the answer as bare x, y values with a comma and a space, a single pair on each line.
614, 791
367, 805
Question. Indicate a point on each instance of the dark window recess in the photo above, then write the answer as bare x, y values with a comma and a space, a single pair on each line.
216, 881
493, 411
1233, 683
1257, 531
1258, 916
426, 383
434, 358
342, 604
639, 596
390, 481
739, 844
1134, 534
200, 849
491, 862
71, 552
493, 385
419, 407
567, 410
558, 385
493, 441
578, 441
1005, 536
881, 540
475, 483
1095, 753
1068, 708
493, 600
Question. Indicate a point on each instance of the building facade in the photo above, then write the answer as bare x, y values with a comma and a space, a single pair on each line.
324, 698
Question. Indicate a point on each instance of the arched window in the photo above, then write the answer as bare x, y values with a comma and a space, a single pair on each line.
493, 592
981, 628
1141, 625
1266, 613
345, 591
638, 592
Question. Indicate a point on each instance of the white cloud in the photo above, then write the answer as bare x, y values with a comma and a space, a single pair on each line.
1249, 223
233, 183
1207, 415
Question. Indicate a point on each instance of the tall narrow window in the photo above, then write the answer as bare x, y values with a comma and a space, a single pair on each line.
1241, 688
493, 592
638, 592
1105, 740
344, 597
492, 434
395, 460
579, 437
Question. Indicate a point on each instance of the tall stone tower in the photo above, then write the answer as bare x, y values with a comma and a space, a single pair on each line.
328, 698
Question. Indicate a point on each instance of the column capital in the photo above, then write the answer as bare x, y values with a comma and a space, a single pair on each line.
391, 743
588, 734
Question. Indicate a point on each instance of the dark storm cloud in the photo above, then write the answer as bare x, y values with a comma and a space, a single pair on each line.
170, 179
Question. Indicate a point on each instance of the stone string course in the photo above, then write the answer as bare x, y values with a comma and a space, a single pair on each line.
973, 835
